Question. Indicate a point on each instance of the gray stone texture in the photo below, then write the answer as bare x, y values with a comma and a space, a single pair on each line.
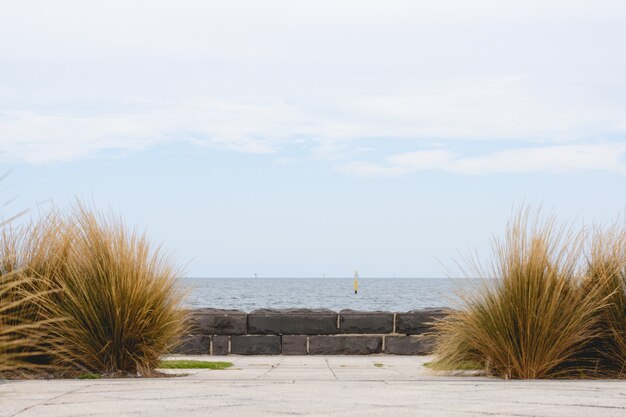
193, 344
294, 345
345, 345
287, 331
365, 322
211, 321
219, 345
408, 345
292, 321
418, 321
255, 345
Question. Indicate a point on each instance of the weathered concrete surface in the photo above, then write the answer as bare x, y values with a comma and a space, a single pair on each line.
292, 321
345, 386
365, 322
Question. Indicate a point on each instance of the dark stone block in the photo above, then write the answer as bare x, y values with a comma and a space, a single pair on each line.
408, 345
345, 345
292, 321
418, 321
219, 345
294, 345
365, 322
193, 344
255, 345
217, 321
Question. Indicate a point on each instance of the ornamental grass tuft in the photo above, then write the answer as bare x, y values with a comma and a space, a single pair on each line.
118, 298
108, 295
532, 316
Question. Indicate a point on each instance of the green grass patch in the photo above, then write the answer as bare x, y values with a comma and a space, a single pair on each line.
378, 365
188, 364
90, 376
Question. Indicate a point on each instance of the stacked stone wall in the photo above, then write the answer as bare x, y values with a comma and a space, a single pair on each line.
309, 332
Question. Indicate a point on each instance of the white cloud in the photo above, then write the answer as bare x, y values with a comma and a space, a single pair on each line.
511, 107
549, 159
40, 138
331, 77
501, 110
555, 159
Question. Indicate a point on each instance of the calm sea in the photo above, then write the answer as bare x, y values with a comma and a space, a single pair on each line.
394, 294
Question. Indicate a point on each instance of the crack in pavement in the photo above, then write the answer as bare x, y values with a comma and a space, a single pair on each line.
272, 367
50, 399
330, 368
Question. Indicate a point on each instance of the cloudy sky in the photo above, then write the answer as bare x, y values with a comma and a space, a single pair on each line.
296, 138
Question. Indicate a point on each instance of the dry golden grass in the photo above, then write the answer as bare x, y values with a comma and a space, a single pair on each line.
19, 337
109, 296
529, 319
119, 299
32, 257
606, 271
22, 330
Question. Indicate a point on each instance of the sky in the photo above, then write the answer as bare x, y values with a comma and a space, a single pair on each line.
302, 138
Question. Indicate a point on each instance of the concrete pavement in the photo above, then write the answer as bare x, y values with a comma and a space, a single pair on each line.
339, 386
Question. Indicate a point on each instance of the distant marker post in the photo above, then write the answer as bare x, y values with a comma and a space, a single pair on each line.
356, 282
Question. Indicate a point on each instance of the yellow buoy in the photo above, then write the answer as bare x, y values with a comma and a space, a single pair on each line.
356, 282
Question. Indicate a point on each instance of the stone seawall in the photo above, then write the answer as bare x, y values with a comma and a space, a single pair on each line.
309, 332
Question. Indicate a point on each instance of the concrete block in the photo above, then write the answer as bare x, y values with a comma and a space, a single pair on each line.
255, 345
193, 344
294, 345
408, 345
418, 321
345, 345
292, 321
217, 321
365, 322
219, 345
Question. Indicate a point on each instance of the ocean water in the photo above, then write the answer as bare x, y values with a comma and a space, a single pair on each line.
393, 294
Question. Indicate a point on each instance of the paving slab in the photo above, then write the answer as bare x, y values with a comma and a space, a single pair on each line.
344, 386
